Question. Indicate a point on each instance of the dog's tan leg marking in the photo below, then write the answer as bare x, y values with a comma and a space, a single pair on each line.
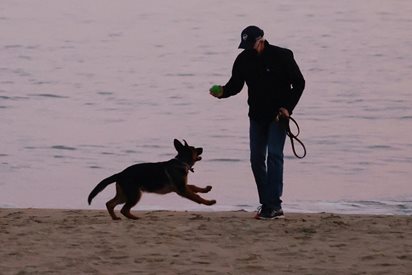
118, 199
188, 193
126, 208
197, 189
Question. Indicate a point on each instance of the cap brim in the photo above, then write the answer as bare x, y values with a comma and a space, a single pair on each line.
245, 45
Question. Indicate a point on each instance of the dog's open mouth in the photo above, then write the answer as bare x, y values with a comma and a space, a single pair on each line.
198, 158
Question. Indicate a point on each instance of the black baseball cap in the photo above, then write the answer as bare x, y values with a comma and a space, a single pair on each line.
249, 36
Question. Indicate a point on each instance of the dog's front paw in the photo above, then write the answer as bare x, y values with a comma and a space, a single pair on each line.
211, 202
208, 188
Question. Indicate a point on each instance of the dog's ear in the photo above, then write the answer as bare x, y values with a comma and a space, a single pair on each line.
178, 145
185, 143
199, 151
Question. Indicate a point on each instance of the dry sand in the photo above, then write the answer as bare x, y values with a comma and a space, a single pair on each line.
163, 242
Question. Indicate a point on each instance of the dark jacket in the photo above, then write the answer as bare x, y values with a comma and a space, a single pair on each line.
273, 79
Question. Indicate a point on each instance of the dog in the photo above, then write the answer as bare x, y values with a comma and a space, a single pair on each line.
158, 177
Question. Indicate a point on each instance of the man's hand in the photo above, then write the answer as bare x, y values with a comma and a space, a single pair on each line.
284, 112
216, 91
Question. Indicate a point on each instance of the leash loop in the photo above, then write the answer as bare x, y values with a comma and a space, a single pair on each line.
284, 122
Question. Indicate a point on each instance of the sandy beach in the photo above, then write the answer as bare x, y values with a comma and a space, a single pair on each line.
40, 241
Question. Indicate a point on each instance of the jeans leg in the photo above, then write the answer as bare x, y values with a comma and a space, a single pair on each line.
276, 144
258, 135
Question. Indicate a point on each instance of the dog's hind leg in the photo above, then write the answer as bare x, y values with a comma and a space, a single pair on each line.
129, 204
197, 189
118, 199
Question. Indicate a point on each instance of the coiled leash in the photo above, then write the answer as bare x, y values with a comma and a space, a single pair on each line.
284, 123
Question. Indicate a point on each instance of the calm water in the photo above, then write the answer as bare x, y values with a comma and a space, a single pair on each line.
90, 87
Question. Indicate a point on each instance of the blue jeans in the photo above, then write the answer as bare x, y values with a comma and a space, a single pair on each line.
267, 141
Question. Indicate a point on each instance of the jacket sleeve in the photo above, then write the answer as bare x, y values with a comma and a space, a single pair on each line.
236, 81
297, 83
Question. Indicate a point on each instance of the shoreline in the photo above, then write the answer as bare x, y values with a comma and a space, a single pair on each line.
200, 242
341, 207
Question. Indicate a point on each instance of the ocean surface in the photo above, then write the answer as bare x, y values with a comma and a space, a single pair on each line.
88, 88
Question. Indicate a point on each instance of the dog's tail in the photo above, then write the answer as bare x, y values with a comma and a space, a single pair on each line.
101, 186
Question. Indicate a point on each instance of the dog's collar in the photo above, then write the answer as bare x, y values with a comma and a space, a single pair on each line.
186, 165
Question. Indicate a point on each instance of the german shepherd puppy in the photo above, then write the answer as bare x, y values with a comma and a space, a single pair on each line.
160, 177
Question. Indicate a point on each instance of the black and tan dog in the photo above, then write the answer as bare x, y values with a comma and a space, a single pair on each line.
160, 177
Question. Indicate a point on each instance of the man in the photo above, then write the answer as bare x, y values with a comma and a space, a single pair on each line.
275, 85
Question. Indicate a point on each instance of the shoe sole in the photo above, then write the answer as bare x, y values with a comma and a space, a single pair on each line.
273, 218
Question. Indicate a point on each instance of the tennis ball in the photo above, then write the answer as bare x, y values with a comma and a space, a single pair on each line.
216, 89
